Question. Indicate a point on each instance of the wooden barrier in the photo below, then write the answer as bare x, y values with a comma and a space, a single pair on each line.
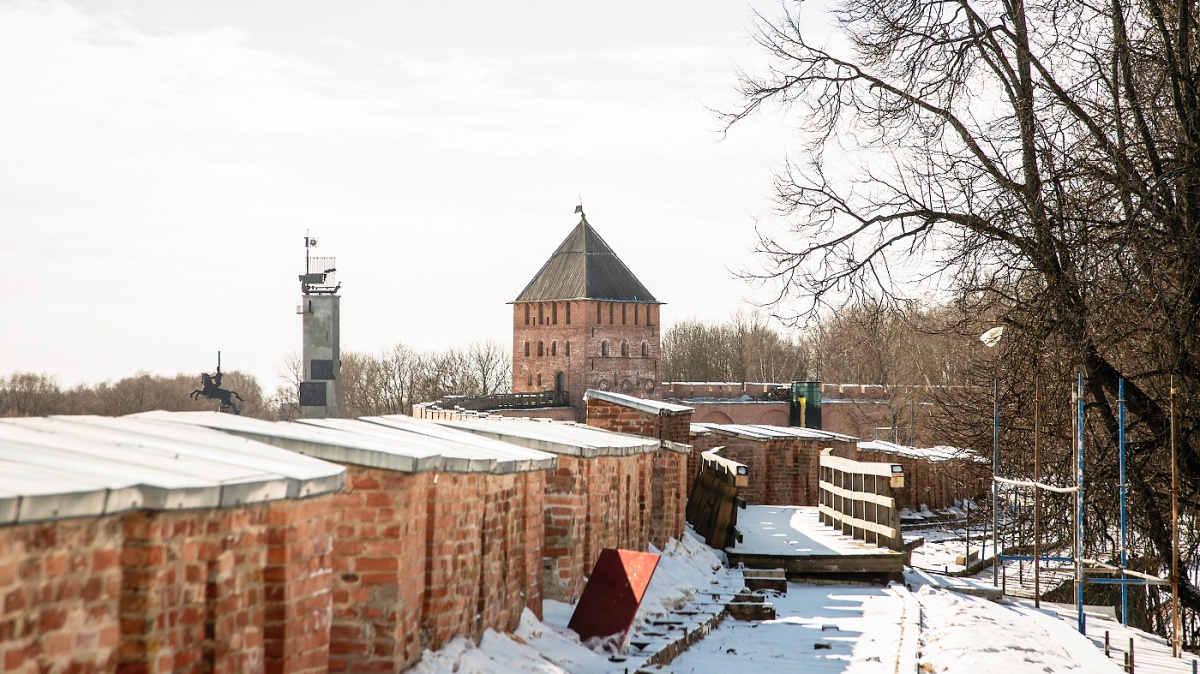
713, 504
856, 497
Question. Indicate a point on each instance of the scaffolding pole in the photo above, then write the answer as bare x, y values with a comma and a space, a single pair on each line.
1121, 455
1037, 494
1079, 579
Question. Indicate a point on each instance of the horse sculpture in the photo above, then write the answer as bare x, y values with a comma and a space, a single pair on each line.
213, 391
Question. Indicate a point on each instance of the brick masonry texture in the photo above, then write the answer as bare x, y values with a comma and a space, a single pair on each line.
60, 588
592, 504
609, 346
668, 477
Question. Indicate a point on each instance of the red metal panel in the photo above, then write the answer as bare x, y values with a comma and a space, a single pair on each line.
613, 593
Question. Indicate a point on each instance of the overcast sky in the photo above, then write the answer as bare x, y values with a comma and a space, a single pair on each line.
163, 160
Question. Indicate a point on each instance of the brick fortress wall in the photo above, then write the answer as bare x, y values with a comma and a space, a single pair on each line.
242, 589
669, 477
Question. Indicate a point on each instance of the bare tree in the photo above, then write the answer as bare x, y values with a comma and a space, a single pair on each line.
1037, 158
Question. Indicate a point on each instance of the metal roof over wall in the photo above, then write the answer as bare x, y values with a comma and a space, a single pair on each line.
567, 439
766, 432
372, 444
642, 404
584, 267
84, 466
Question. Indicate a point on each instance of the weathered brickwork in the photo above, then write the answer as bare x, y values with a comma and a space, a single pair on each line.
379, 551
733, 412
609, 346
668, 492
565, 523
298, 581
192, 594
422, 558
592, 504
60, 591
668, 479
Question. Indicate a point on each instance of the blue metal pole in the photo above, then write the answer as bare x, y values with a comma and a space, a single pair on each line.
1079, 506
995, 474
1121, 454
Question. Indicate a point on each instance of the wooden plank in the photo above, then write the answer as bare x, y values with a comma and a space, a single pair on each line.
886, 501
859, 523
859, 467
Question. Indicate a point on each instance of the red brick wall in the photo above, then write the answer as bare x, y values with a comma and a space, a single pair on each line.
668, 490
418, 556
534, 489
298, 581
668, 479
586, 367
60, 588
769, 413
187, 575
378, 563
565, 525
592, 504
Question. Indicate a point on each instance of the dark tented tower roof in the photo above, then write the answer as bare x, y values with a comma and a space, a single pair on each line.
585, 268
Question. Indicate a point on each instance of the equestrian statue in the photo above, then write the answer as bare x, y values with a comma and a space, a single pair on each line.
213, 391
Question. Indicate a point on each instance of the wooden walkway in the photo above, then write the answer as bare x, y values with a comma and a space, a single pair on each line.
793, 538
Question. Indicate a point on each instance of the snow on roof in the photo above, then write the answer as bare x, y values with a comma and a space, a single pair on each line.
63, 466
568, 439
766, 432
642, 404
370, 444
935, 454
698, 429
809, 433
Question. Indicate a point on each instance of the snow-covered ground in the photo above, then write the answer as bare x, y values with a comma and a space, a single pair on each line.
819, 629
943, 548
822, 629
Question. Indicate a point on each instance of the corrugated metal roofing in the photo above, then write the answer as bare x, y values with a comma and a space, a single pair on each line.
585, 267
62, 467
373, 445
558, 438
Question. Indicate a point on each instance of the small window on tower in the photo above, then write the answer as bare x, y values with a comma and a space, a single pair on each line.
553, 348
541, 351
624, 348
645, 350
554, 313
635, 314
529, 382
539, 381
623, 313
526, 316
568, 313
597, 313
541, 314
604, 348
610, 313
568, 348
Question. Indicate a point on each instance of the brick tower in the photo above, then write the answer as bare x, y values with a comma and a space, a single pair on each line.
585, 321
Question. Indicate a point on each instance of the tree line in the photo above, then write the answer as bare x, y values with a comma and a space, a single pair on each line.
866, 342
388, 382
